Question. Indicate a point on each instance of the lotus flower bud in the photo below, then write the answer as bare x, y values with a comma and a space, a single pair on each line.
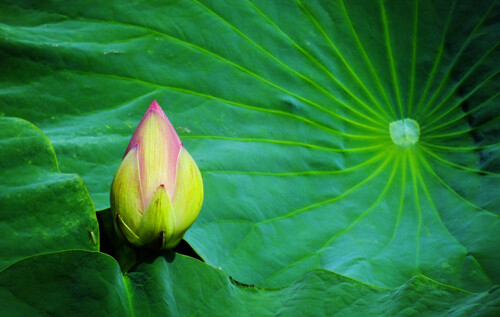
157, 191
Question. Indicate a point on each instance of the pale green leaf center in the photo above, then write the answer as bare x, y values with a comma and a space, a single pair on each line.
404, 132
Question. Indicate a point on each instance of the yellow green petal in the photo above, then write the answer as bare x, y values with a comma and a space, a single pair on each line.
170, 244
126, 196
158, 218
188, 196
127, 232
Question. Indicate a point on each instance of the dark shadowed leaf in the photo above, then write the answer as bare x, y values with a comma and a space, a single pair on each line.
79, 283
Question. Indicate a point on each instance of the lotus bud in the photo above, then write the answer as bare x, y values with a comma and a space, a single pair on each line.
157, 191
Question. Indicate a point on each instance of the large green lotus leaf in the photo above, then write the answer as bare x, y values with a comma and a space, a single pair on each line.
286, 106
41, 209
82, 283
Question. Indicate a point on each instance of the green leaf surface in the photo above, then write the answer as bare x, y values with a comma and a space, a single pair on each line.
286, 107
82, 283
41, 209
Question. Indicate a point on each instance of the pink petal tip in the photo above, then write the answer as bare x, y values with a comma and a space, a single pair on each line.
154, 106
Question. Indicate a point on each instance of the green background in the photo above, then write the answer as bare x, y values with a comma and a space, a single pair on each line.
310, 208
